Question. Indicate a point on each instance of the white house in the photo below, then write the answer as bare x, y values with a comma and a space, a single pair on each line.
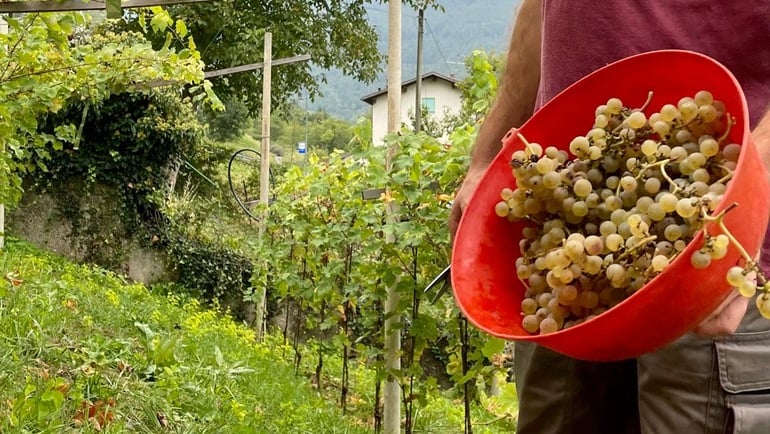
439, 94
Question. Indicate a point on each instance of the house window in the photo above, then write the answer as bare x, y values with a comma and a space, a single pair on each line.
429, 104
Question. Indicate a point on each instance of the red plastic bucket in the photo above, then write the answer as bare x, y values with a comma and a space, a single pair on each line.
486, 246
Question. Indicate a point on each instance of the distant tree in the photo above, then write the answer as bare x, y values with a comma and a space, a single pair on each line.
228, 124
328, 133
480, 86
320, 130
434, 127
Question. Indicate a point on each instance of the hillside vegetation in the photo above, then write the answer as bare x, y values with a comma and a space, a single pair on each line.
85, 351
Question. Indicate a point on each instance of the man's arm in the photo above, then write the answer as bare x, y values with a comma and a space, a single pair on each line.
514, 103
726, 319
761, 138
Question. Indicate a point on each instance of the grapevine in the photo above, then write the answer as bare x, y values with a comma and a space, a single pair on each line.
617, 209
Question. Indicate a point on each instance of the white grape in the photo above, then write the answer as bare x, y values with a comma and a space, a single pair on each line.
709, 147
707, 113
721, 240
636, 120
545, 165
731, 152
502, 209
672, 232
548, 325
528, 306
613, 242
659, 262
613, 106
649, 147
652, 185
689, 110
593, 245
735, 275
668, 202
582, 188
601, 121
662, 128
579, 146
685, 207
700, 259
703, 97
531, 323
628, 183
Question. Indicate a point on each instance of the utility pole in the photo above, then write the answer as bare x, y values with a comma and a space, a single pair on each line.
264, 171
392, 338
418, 83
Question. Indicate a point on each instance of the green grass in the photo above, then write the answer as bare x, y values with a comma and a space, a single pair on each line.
82, 350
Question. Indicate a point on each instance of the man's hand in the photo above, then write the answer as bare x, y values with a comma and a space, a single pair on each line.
726, 318
467, 188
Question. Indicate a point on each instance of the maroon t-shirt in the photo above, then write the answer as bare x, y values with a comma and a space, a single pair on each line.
580, 37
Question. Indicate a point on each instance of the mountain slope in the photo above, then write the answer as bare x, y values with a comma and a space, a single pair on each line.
448, 38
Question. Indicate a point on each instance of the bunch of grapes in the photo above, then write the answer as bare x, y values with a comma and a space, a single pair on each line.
613, 212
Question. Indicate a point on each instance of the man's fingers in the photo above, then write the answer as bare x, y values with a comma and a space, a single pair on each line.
454, 220
458, 205
726, 319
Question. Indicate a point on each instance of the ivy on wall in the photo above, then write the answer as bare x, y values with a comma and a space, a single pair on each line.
127, 148
128, 142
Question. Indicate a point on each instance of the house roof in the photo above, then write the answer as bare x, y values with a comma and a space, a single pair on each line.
372, 97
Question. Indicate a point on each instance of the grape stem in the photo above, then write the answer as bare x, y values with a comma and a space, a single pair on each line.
636, 246
726, 177
719, 220
662, 166
750, 262
738, 245
644, 106
713, 219
646, 103
526, 143
730, 122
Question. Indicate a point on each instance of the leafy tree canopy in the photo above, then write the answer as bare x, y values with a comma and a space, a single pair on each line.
227, 124
49, 61
480, 86
335, 33
231, 33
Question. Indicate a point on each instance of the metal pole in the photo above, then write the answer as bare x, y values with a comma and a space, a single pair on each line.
418, 83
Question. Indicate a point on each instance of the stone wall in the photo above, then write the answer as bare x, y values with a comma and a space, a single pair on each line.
100, 237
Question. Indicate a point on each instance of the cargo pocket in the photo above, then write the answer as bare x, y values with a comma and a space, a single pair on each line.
744, 373
749, 419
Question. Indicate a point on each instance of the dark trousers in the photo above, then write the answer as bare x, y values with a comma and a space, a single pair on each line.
694, 385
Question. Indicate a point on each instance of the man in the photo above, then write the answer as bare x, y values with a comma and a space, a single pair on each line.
716, 379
